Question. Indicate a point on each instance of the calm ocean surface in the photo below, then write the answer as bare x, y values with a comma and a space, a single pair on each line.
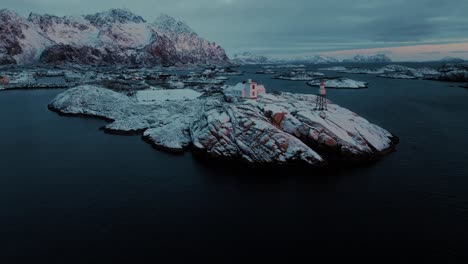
71, 194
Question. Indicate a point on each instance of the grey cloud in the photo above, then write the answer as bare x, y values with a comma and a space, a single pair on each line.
277, 27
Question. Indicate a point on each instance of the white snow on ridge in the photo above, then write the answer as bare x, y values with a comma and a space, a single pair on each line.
343, 83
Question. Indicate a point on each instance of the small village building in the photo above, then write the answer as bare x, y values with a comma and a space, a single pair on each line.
248, 89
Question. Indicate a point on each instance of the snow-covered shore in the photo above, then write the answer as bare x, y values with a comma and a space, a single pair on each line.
339, 83
274, 129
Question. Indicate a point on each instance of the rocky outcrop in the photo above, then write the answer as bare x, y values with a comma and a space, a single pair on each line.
20, 41
393, 71
191, 48
114, 16
274, 129
453, 72
379, 58
300, 75
338, 83
66, 53
317, 59
114, 37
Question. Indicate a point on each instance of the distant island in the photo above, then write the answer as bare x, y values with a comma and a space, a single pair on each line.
246, 58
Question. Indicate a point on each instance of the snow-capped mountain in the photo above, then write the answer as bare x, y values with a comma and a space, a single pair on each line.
20, 41
379, 58
116, 36
317, 59
190, 47
249, 58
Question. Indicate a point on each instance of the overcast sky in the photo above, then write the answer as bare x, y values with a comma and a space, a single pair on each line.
301, 27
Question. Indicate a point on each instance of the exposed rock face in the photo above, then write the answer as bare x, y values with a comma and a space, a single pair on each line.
114, 16
191, 48
393, 71
339, 83
67, 53
113, 37
379, 58
274, 129
20, 42
6, 59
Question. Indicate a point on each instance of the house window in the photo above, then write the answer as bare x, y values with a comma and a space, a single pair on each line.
253, 87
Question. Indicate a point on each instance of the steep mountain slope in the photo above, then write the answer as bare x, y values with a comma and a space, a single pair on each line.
190, 47
379, 58
20, 41
249, 58
116, 36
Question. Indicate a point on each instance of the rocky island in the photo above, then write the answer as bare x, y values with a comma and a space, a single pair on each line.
299, 75
271, 129
338, 83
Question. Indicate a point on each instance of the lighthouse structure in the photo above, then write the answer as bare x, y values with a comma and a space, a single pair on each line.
321, 102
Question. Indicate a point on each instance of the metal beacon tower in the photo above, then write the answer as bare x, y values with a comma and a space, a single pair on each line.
321, 103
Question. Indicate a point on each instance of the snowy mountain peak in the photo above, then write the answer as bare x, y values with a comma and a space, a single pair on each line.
113, 37
378, 58
168, 24
114, 16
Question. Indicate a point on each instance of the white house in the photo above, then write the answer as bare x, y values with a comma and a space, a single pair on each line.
247, 89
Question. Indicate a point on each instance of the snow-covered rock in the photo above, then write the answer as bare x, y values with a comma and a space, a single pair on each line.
379, 58
335, 68
191, 48
246, 58
395, 71
317, 59
339, 83
300, 75
284, 66
114, 37
20, 41
158, 95
274, 129
453, 72
397, 76
359, 70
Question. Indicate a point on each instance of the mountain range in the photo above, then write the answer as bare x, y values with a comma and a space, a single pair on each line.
113, 37
249, 58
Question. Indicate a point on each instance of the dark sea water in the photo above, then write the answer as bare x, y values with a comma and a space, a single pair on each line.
71, 194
